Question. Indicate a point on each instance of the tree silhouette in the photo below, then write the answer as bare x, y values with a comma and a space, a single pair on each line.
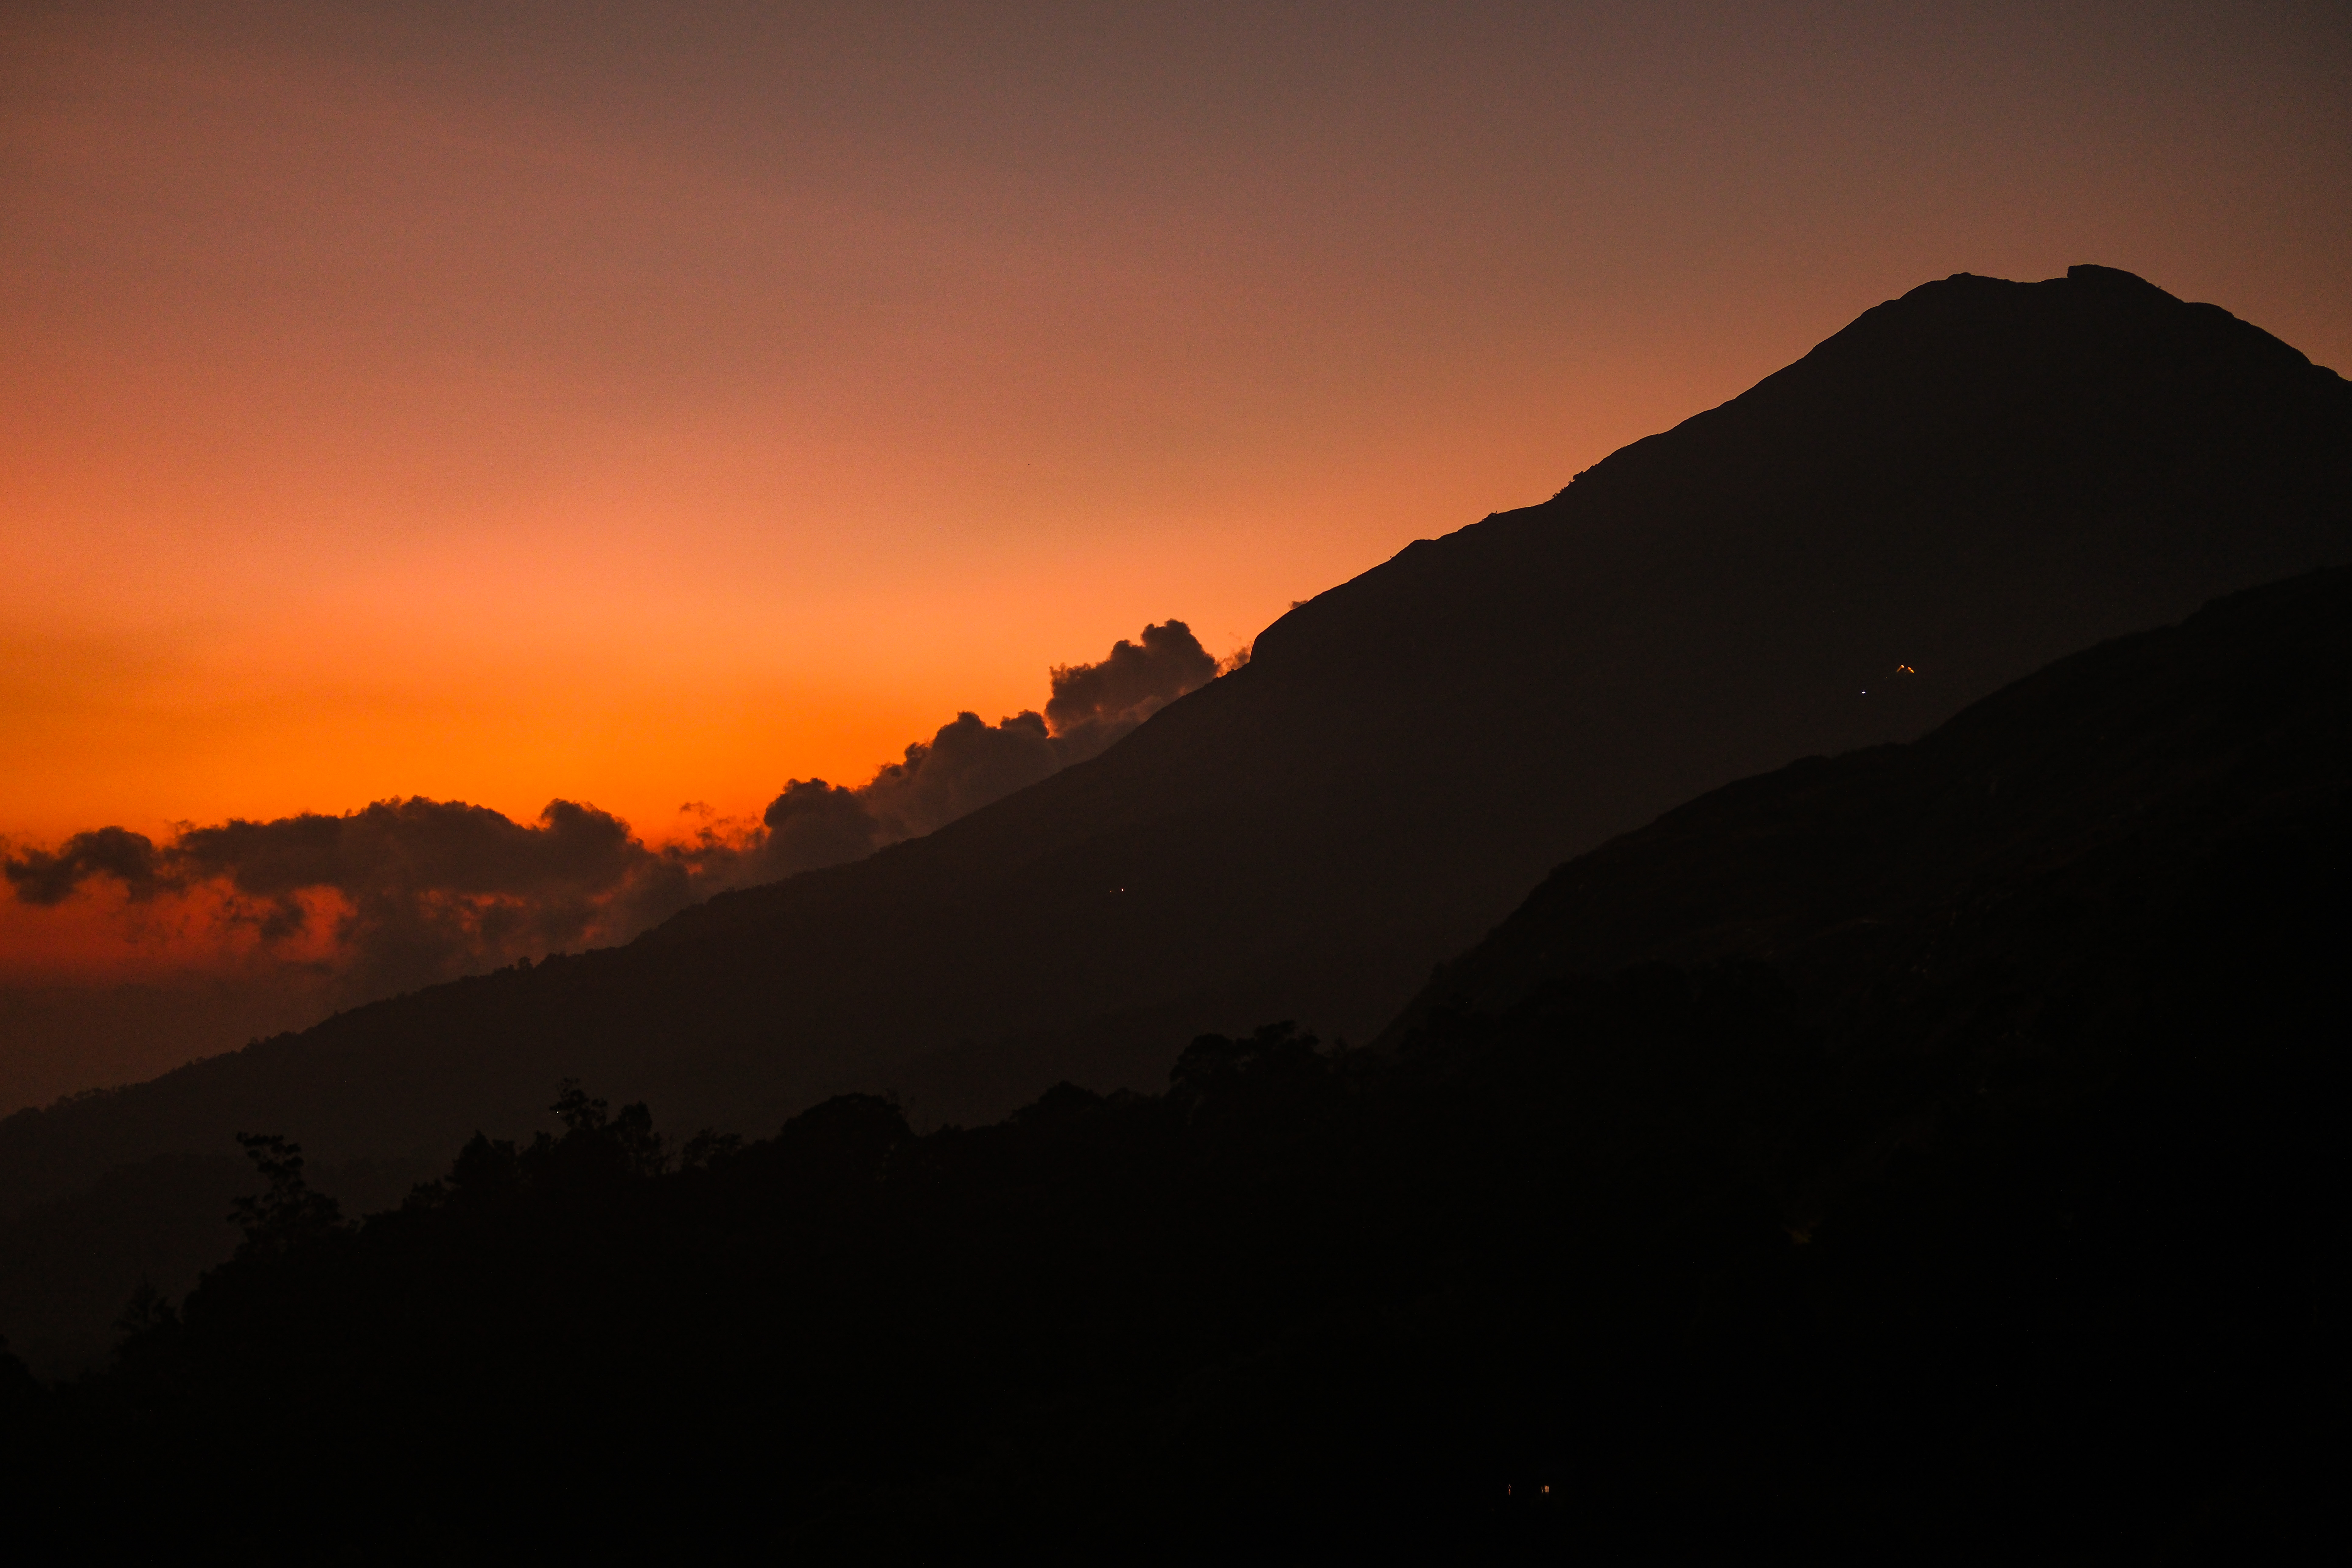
289, 1214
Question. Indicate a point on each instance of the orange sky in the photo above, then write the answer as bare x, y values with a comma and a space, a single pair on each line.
646, 404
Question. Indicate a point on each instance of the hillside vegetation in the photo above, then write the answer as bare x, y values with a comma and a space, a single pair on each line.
1930, 1147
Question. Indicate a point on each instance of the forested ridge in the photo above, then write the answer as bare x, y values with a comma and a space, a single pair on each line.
1950, 1199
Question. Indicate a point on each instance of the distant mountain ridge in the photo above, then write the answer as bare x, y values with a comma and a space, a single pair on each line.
1966, 483
2114, 792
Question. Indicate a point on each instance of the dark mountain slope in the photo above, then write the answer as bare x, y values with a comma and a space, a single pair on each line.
1970, 480
2011, 1216
1945, 890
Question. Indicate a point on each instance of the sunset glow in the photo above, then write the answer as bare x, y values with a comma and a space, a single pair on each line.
583, 403
1522, 781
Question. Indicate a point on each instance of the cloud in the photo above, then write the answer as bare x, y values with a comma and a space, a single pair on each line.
428, 888
969, 764
815, 823
962, 768
1095, 704
417, 844
417, 890
402, 893
48, 878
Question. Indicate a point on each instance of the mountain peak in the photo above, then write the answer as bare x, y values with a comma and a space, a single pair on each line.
2114, 278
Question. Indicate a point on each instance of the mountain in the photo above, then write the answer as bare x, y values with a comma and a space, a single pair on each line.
2160, 815
1938, 1139
1962, 485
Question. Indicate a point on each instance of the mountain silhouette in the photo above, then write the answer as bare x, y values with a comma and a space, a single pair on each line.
1962, 485
1939, 1135
2058, 842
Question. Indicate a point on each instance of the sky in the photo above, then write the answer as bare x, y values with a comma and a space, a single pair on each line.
645, 405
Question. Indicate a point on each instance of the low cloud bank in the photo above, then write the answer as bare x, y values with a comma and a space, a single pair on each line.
397, 894
406, 892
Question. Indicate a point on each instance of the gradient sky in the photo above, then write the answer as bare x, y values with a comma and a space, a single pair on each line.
646, 404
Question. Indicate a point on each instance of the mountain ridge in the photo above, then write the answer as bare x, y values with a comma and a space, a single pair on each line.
1973, 480
1878, 861
1943, 1131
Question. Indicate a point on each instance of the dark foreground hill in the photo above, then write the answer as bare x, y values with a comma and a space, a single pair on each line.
1962, 485
1915, 1151
1978, 863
